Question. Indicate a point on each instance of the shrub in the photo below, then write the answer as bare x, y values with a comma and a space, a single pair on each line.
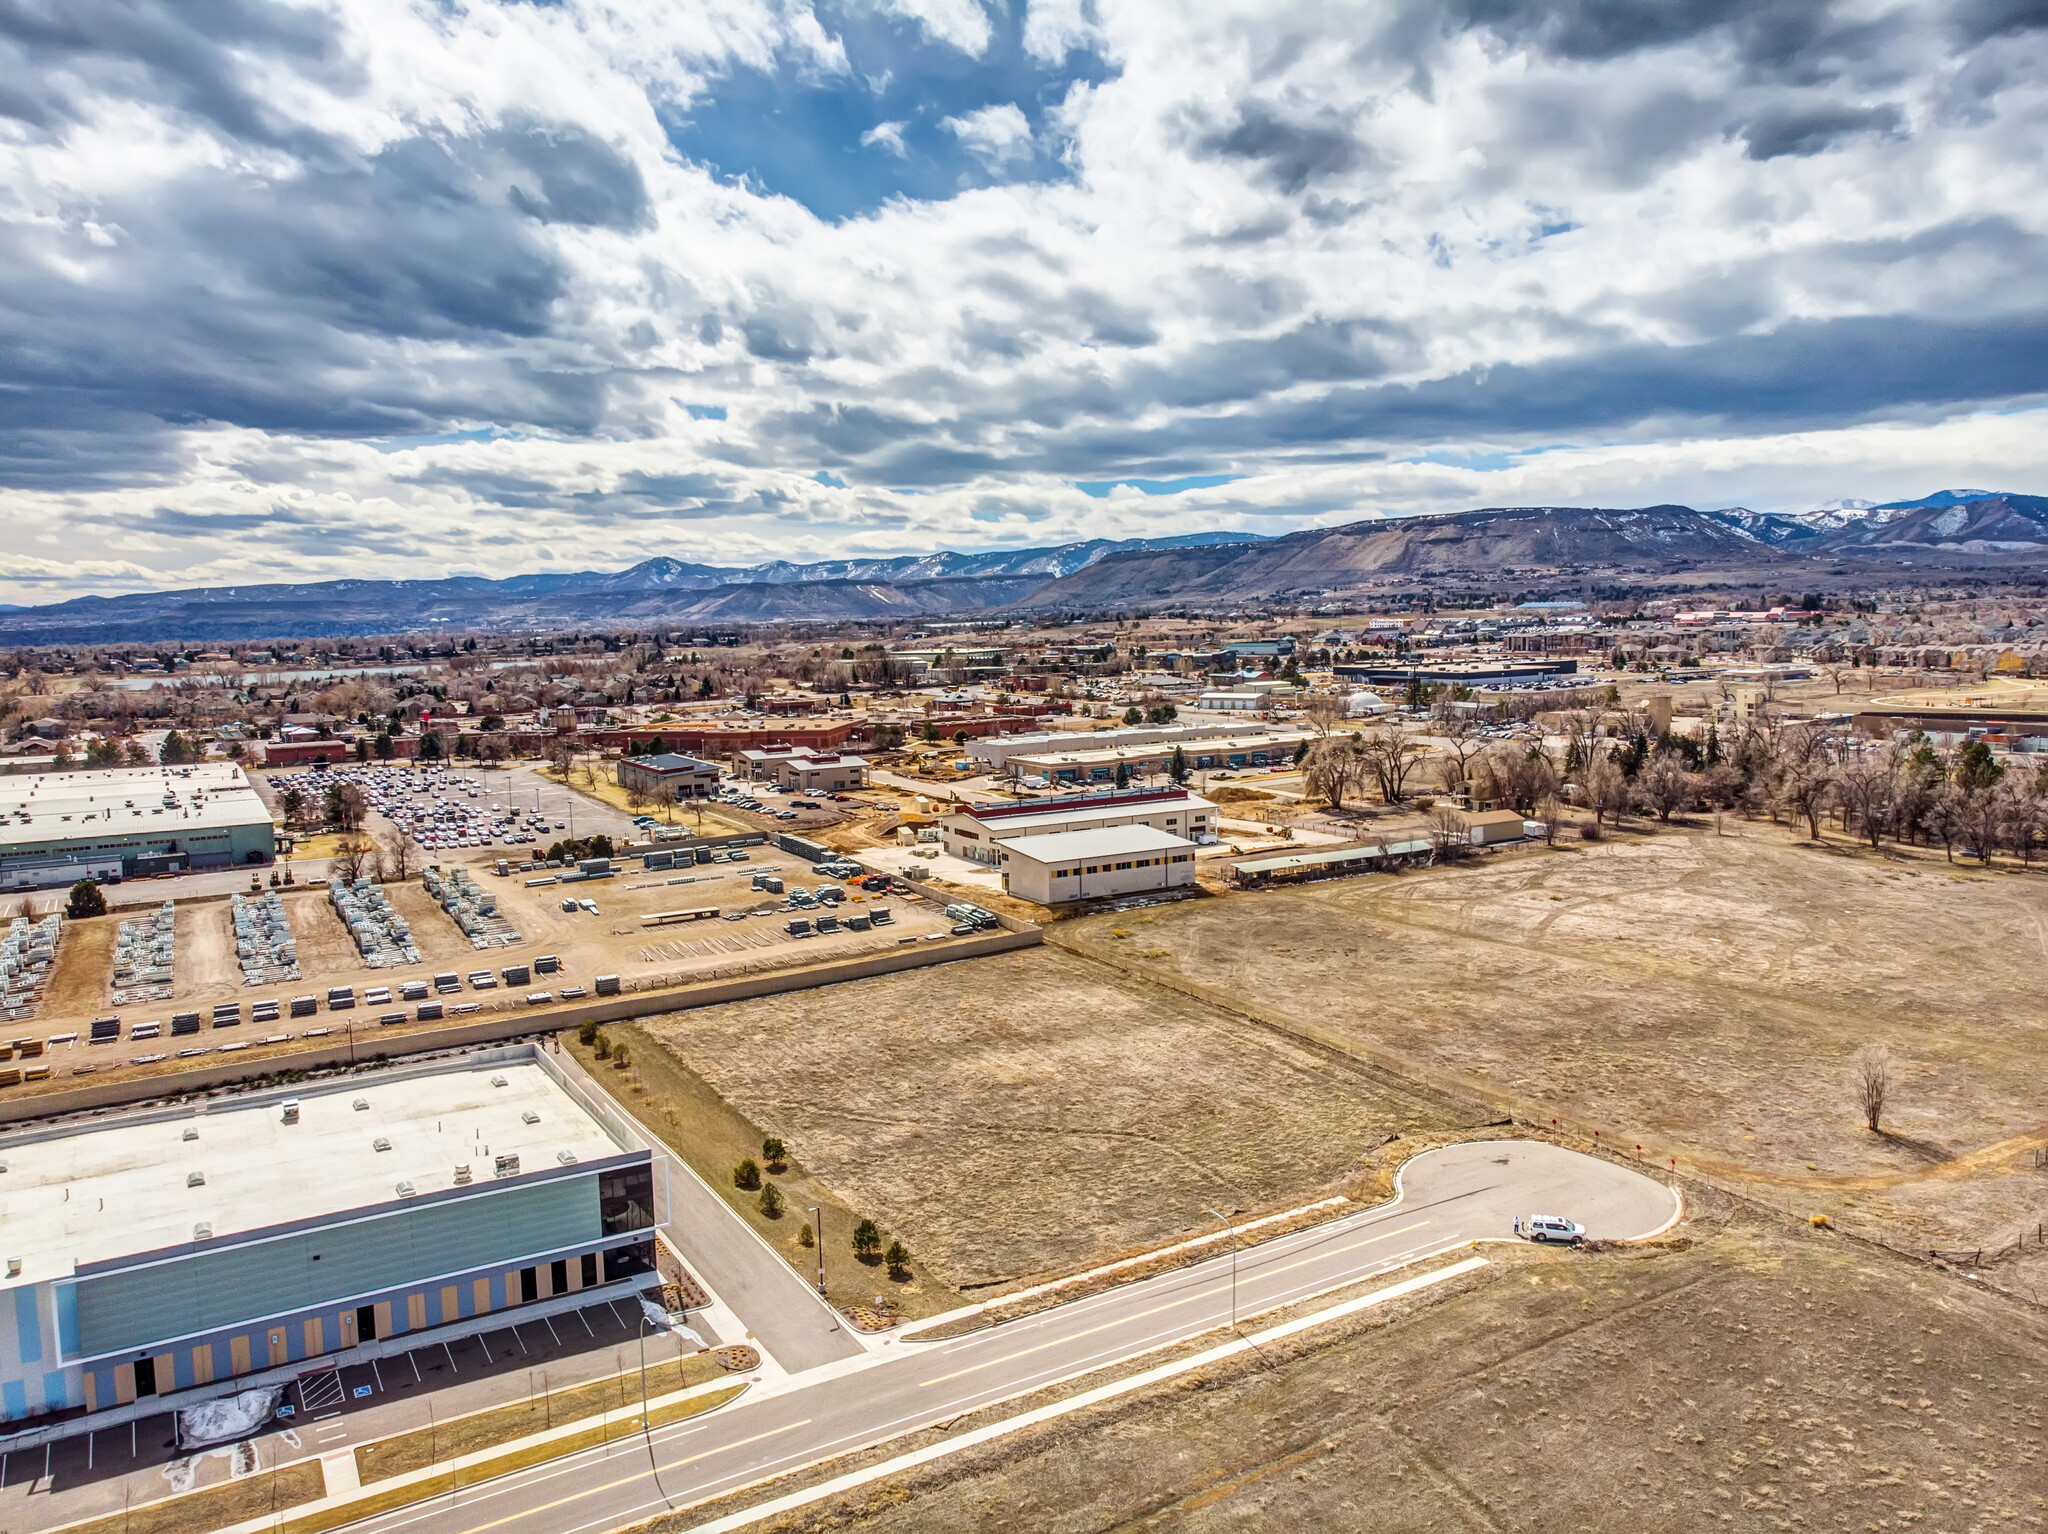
867, 1242
621, 1058
602, 1047
1590, 831
746, 1175
899, 1260
804, 1238
86, 900
770, 1202
775, 1153
586, 1034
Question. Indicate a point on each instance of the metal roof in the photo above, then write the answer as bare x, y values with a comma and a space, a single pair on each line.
1294, 860
1100, 842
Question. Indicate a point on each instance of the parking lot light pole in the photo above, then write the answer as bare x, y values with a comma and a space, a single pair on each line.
1233, 1264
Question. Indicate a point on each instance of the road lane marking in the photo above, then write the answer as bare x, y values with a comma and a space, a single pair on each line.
548, 1507
824, 1490
1221, 1288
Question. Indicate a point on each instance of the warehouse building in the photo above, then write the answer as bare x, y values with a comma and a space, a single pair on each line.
997, 750
1096, 865
1207, 752
979, 831
171, 1249
152, 819
669, 776
1459, 673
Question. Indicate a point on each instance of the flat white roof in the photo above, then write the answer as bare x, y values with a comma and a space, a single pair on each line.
1216, 743
118, 1188
1101, 842
61, 806
1004, 827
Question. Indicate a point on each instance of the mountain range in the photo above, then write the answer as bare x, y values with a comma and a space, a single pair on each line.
1496, 545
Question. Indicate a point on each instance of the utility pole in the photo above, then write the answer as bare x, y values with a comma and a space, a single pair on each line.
1233, 1264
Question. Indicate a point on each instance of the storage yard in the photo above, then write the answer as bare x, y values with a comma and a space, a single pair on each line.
380, 947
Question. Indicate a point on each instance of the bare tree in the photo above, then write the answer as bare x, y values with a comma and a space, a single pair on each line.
1873, 1079
353, 858
1448, 833
1462, 734
1665, 786
1323, 713
1333, 768
401, 862
1606, 790
1392, 756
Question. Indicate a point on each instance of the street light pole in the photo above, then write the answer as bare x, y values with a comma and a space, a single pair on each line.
1233, 1264
818, 1224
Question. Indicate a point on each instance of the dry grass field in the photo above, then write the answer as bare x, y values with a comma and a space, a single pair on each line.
1700, 994
1742, 1376
1035, 1112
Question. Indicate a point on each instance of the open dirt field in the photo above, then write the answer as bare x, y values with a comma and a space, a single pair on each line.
1034, 1112
1702, 994
1742, 1377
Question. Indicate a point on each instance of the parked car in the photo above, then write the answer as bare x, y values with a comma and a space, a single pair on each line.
1553, 1228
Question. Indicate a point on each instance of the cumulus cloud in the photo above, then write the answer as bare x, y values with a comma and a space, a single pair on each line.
888, 135
292, 290
995, 134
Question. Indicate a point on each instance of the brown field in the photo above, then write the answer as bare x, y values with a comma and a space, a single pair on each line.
1747, 1376
1035, 1112
1700, 994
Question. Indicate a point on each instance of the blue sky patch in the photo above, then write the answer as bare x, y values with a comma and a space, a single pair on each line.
843, 145
1101, 487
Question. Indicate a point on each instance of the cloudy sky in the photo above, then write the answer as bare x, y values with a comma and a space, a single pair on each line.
411, 287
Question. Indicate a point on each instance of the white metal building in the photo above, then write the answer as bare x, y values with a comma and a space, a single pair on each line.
1098, 864
976, 831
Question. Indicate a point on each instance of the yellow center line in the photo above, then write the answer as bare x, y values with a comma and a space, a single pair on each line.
535, 1512
1169, 1305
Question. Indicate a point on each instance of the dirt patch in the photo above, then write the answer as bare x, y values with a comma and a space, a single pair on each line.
1033, 1113
79, 975
207, 966
1752, 1378
1699, 994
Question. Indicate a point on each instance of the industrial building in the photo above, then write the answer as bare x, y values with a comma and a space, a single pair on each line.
1204, 753
997, 750
56, 827
1099, 864
800, 767
170, 1249
1458, 673
978, 832
669, 776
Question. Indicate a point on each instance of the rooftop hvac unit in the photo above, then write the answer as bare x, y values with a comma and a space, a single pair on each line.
506, 1166
461, 1174
291, 1110
195, 1179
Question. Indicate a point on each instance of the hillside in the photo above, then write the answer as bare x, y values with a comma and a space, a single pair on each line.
1480, 544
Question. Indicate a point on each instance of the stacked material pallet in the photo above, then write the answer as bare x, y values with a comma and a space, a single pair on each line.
382, 936
474, 909
264, 944
26, 954
145, 957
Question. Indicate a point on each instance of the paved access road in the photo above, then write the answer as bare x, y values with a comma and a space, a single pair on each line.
1449, 1198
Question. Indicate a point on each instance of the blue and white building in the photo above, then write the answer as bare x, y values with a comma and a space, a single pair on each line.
175, 1248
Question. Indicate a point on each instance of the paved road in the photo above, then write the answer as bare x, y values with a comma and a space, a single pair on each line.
1449, 1198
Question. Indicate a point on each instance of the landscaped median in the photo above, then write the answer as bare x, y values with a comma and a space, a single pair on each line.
300, 1498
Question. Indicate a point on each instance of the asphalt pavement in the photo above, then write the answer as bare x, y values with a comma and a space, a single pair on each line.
1448, 1198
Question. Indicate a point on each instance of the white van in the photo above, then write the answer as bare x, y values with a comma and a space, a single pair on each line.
1553, 1227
